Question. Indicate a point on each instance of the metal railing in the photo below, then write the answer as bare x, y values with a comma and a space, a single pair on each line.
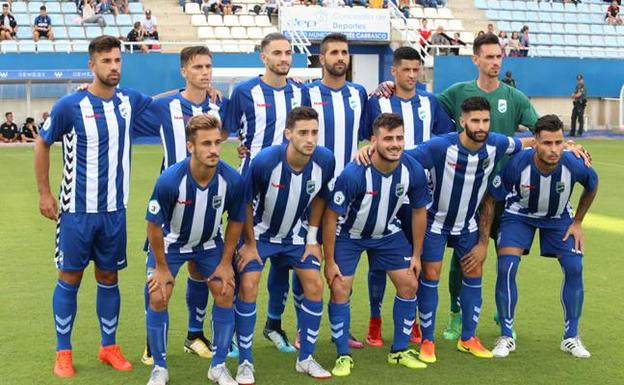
298, 39
398, 21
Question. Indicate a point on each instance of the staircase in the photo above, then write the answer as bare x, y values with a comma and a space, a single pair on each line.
474, 19
173, 23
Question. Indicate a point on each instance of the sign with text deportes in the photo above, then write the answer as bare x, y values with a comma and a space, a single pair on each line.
359, 24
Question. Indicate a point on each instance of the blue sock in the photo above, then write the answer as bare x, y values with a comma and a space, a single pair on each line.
277, 286
376, 291
427, 306
223, 330
404, 315
507, 292
297, 296
572, 293
107, 306
157, 330
64, 307
245, 324
340, 319
196, 302
470, 300
310, 315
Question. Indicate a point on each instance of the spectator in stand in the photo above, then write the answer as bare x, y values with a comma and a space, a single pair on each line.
8, 25
228, 8
404, 6
91, 16
490, 29
524, 41
440, 38
271, 7
456, 42
333, 3
363, 3
150, 26
308, 2
503, 41
424, 31
211, 6
137, 34
8, 130
122, 6
480, 33
514, 44
511, 82
45, 117
42, 27
579, 101
28, 132
106, 6
613, 14
428, 3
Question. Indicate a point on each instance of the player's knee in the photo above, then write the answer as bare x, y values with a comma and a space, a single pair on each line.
314, 289
225, 299
248, 289
572, 266
157, 302
340, 291
105, 277
475, 272
430, 272
71, 277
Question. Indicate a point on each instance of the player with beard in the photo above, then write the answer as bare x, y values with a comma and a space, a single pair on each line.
95, 125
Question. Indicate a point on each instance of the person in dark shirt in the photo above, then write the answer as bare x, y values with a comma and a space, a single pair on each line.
510, 81
43, 25
8, 130
137, 34
579, 101
45, 117
8, 25
28, 132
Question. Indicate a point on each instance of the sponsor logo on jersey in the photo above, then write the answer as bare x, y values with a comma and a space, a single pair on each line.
528, 186
217, 201
186, 202
278, 185
261, 105
502, 106
455, 164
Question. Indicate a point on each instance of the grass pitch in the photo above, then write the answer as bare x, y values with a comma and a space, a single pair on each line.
28, 276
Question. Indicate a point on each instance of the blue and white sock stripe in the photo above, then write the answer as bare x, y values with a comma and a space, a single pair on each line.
312, 335
426, 319
298, 299
472, 286
337, 329
245, 342
200, 314
103, 286
433, 286
109, 325
63, 325
407, 326
316, 314
476, 314
244, 314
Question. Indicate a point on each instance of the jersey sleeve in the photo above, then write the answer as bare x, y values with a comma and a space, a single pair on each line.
527, 114
305, 96
586, 176
223, 108
423, 153
442, 122
345, 189
502, 183
147, 122
419, 195
363, 115
372, 112
255, 178
328, 174
234, 112
237, 208
510, 144
139, 103
162, 201
58, 123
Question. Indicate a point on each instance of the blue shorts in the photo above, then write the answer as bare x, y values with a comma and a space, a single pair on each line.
434, 245
206, 261
392, 252
100, 237
518, 231
282, 256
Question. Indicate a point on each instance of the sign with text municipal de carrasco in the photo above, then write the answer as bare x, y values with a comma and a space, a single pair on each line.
357, 23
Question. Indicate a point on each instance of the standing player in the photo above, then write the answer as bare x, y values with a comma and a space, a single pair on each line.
341, 107
95, 125
423, 117
285, 182
257, 111
167, 116
536, 186
183, 224
362, 217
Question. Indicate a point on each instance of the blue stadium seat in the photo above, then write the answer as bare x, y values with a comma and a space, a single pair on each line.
540, 51
597, 8
493, 4
33, 7
596, 29
583, 8
557, 28
136, 17
504, 26
504, 15
76, 33
595, 18
611, 41
93, 32
545, 17
585, 52
557, 7
53, 7
135, 8
542, 39
481, 4
80, 46
69, 7
583, 29
60, 32
110, 19
532, 6
124, 20
620, 31
8, 46
571, 29
584, 40
544, 7
111, 30
532, 16
19, 7
571, 18
597, 41
45, 46
508, 5
22, 19
557, 52
557, 40
27, 46
518, 15
570, 40
70, 19
558, 17
63, 46
544, 28
610, 30
24, 33
124, 31
57, 19
492, 14
516, 26
520, 5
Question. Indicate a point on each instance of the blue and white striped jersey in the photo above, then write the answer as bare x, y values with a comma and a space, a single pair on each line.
423, 117
342, 114
190, 214
281, 196
530, 193
367, 200
258, 112
460, 178
96, 135
168, 116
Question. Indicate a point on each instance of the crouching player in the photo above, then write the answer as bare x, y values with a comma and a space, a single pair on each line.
367, 198
184, 224
285, 182
536, 185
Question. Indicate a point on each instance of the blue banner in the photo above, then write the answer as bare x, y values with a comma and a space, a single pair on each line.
46, 75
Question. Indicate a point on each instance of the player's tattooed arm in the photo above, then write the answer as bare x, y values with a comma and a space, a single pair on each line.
576, 230
332, 271
249, 251
161, 276
312, 246
48, 206
473, 261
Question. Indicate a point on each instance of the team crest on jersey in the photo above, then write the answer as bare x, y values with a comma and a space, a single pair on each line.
217, 201
496, 182
560, 187
294, 103
339, 198
153, 207
399, 190
502, 106
422, 114
353, 103
47, 123
486, 163
310, 187
123, 110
